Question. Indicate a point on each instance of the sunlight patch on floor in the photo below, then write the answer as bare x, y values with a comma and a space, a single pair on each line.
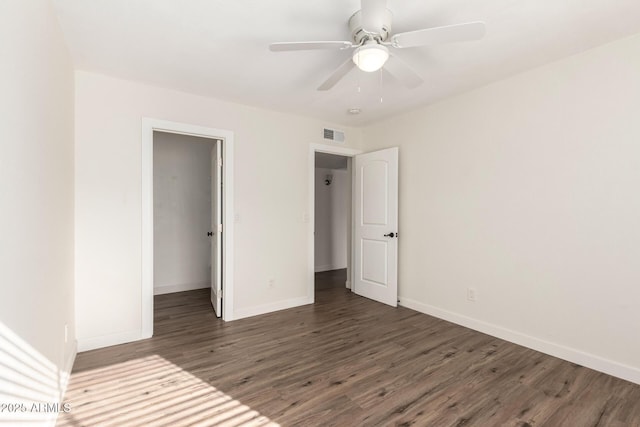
152, 391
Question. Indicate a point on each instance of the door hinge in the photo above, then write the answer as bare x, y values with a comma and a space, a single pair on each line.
219, 228
220, 292
220, 161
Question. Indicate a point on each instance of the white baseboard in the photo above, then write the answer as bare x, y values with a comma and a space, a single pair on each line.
321, 268
328, 267
68, 367
597, 363
169, 289
86, 344
347, 284
65, 376
269, 308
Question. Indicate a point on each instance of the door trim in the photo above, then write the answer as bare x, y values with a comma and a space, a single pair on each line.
331, 149
149, 125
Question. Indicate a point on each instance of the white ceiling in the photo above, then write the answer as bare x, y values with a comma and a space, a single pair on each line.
219, 48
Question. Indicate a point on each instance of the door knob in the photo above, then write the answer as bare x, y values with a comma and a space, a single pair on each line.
210, 233
392, 234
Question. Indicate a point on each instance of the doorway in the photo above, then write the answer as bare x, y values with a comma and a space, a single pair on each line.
332, 216
222, 139
373, 227
182, 212
341, 154
187, 220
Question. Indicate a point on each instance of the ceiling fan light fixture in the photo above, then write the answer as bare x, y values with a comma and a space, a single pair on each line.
370, 57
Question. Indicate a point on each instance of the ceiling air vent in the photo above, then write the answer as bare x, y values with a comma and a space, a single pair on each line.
334, 135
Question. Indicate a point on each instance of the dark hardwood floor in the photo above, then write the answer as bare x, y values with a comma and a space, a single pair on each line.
334, 279
344, 361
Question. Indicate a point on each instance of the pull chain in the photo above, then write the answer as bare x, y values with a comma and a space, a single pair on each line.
380, 85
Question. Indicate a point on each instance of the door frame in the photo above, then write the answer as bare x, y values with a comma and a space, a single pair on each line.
149, 125
341, 151
217, 193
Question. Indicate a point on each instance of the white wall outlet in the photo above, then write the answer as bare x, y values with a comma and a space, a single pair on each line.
305, 217
271, 283
471, 294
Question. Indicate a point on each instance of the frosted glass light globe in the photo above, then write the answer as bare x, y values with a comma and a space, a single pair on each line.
371, 57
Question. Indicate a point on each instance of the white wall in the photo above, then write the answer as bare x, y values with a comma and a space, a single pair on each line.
331, 209
181, 212
36, 192
527, 190
271, 195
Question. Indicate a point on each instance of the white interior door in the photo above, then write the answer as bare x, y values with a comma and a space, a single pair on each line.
376, 226
216, 228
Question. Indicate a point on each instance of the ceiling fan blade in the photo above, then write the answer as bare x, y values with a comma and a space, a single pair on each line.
287, 46
373, 14
337, 75
439, 35
402, 72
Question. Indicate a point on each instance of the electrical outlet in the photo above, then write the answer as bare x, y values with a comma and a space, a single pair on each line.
271, 283
471, 294
305, 217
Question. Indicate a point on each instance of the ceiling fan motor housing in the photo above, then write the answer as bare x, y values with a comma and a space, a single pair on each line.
358, 33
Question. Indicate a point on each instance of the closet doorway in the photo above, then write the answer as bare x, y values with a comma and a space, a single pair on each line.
332, 220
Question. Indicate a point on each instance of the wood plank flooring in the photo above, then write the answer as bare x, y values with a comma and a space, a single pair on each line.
344, 361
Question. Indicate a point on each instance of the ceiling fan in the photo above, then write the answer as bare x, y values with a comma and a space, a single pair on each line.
372, 39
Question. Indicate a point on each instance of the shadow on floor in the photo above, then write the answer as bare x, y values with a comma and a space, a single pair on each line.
333, 279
